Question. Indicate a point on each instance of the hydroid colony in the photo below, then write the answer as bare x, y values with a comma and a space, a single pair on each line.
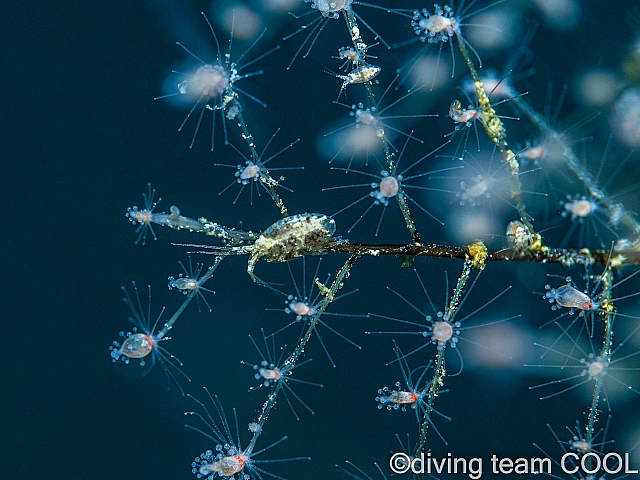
439, 169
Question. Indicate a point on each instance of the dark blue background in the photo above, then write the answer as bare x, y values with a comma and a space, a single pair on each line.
82, 136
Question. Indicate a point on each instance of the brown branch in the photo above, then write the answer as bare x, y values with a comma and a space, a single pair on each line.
545, 255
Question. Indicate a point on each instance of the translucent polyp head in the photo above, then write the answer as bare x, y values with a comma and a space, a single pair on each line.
139, 216
434, 27
581, 446
232, 464
364, 116
568, 296
436, 24
580, 207
207, 81
442, 332
389, 187
331, 8
183, 283
595, 368
248, 172
301, 309
137, 345
270, 373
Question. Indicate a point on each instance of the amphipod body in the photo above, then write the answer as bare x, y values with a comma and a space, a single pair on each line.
292, 237
518, 237
362, 74
462, 116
